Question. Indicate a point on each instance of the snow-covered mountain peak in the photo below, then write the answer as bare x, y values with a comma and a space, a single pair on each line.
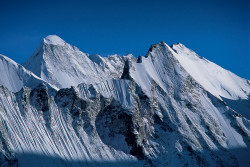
64, 65
166, 108
218, 81
159, 47
215, 79
179, 48
54, 40
178, 44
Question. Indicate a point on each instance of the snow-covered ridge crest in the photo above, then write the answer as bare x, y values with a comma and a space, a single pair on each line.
63, 65
155, 113
54, 40
215, 79
14, 76
218, 81
169, 68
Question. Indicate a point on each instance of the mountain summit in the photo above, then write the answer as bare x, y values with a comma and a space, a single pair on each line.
63, 107
63, 65
54, 40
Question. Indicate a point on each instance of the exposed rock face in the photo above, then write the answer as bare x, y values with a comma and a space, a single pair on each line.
157, 114
126, 71
146, 131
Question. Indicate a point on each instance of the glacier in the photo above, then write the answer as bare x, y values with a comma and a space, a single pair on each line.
63, 107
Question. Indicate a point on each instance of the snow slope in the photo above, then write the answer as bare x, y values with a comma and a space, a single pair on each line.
223, 84
115, 123
14, 76
35, 125
178, 91
54, 40
218, 81
112, 64
116, 111
63, 65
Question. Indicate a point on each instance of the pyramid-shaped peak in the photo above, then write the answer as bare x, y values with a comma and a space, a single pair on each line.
161, 45
54, 40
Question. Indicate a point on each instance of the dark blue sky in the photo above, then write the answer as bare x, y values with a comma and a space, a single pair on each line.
218, 30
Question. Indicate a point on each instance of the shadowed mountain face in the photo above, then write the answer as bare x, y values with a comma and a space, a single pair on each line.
154, 111
33, 159
241, 105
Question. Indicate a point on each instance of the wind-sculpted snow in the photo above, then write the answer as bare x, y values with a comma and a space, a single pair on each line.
218, 81
185, 102
62, 126
54, 40
117, 89
113, 64
154, 130
63, 65
116, 111
14, 76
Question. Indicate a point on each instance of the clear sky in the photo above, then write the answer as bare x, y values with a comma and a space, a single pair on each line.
218, 30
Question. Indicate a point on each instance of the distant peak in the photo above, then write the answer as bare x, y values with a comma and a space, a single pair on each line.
54, 40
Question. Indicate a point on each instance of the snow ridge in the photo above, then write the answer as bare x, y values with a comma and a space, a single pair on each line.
14, 76
54, 40
63, 65
218, 81
76, 109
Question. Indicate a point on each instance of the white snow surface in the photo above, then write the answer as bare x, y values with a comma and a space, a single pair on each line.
164, 67
54, 40
28, 136
112, 64
173, 97
63, 65
215, 79
117, 89
14, 76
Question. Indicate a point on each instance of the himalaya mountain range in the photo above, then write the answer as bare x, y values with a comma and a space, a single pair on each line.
63, 107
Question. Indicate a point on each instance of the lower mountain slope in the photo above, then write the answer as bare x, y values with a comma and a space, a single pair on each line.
119, 122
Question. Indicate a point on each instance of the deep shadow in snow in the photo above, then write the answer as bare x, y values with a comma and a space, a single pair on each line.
242, 106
